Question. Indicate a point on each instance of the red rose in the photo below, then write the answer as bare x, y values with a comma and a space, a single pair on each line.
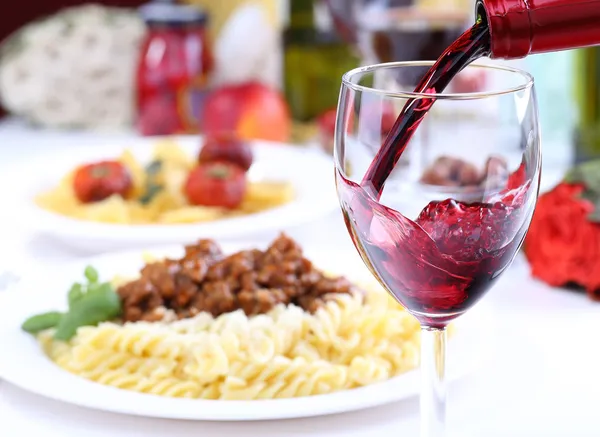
563, 245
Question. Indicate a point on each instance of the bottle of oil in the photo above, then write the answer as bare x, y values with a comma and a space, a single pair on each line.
587, 82
315, 58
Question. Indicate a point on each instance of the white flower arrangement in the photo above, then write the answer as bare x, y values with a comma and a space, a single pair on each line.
74, 69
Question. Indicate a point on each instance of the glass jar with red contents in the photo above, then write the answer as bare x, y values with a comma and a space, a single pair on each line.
173, 69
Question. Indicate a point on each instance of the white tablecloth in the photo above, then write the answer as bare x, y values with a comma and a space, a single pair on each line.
541, 380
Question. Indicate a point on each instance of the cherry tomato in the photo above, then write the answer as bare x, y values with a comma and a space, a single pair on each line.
226, 147
97, 181
220, 184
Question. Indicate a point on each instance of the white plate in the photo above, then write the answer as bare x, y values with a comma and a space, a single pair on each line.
22, 362
309, 171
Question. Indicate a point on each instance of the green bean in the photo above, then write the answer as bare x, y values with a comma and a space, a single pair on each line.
40, 322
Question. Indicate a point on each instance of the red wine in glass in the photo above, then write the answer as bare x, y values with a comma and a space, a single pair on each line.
440, 264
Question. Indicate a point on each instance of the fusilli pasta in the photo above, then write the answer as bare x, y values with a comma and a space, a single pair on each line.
352, 341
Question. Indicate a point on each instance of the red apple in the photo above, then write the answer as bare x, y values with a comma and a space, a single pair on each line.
228, 148
250, 110
377, 118
388, 119
469, 81
326, 124
159, 116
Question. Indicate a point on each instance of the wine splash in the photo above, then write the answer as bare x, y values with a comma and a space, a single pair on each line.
441, 264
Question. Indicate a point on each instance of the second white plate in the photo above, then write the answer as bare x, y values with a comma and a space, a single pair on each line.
309, 171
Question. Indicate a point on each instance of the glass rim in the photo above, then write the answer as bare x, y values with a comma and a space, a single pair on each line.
347, 81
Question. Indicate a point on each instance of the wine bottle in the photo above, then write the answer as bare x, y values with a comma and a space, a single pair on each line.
315, 58
587, 82
524, 27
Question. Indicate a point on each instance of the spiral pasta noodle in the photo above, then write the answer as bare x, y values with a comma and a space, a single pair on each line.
351, 341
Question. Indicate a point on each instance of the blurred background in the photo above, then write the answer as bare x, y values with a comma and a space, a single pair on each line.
267, 69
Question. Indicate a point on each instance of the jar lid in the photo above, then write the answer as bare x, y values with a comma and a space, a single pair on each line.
166, 12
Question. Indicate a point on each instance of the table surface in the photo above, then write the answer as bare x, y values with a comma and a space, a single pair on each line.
541, 379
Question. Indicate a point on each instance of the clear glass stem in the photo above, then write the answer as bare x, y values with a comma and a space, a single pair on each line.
433, 382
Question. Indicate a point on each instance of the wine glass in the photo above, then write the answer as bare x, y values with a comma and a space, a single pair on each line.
448, 224
400, 30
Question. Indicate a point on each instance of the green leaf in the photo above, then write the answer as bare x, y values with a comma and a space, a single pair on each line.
91, 274
75, 293
104, 287
594, 217
41, 322
594, 198
154, 168
152, 188
587, 174
151, 191
100, 304
590, 196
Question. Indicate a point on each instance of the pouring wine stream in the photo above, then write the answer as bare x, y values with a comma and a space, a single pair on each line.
470, 46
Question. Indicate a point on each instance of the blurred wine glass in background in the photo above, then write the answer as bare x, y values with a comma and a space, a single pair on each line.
400, 30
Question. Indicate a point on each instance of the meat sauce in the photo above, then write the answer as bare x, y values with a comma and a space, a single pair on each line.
205, 280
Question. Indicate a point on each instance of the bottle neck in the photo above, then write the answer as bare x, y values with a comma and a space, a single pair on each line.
301, 14
310, 23
522, 27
